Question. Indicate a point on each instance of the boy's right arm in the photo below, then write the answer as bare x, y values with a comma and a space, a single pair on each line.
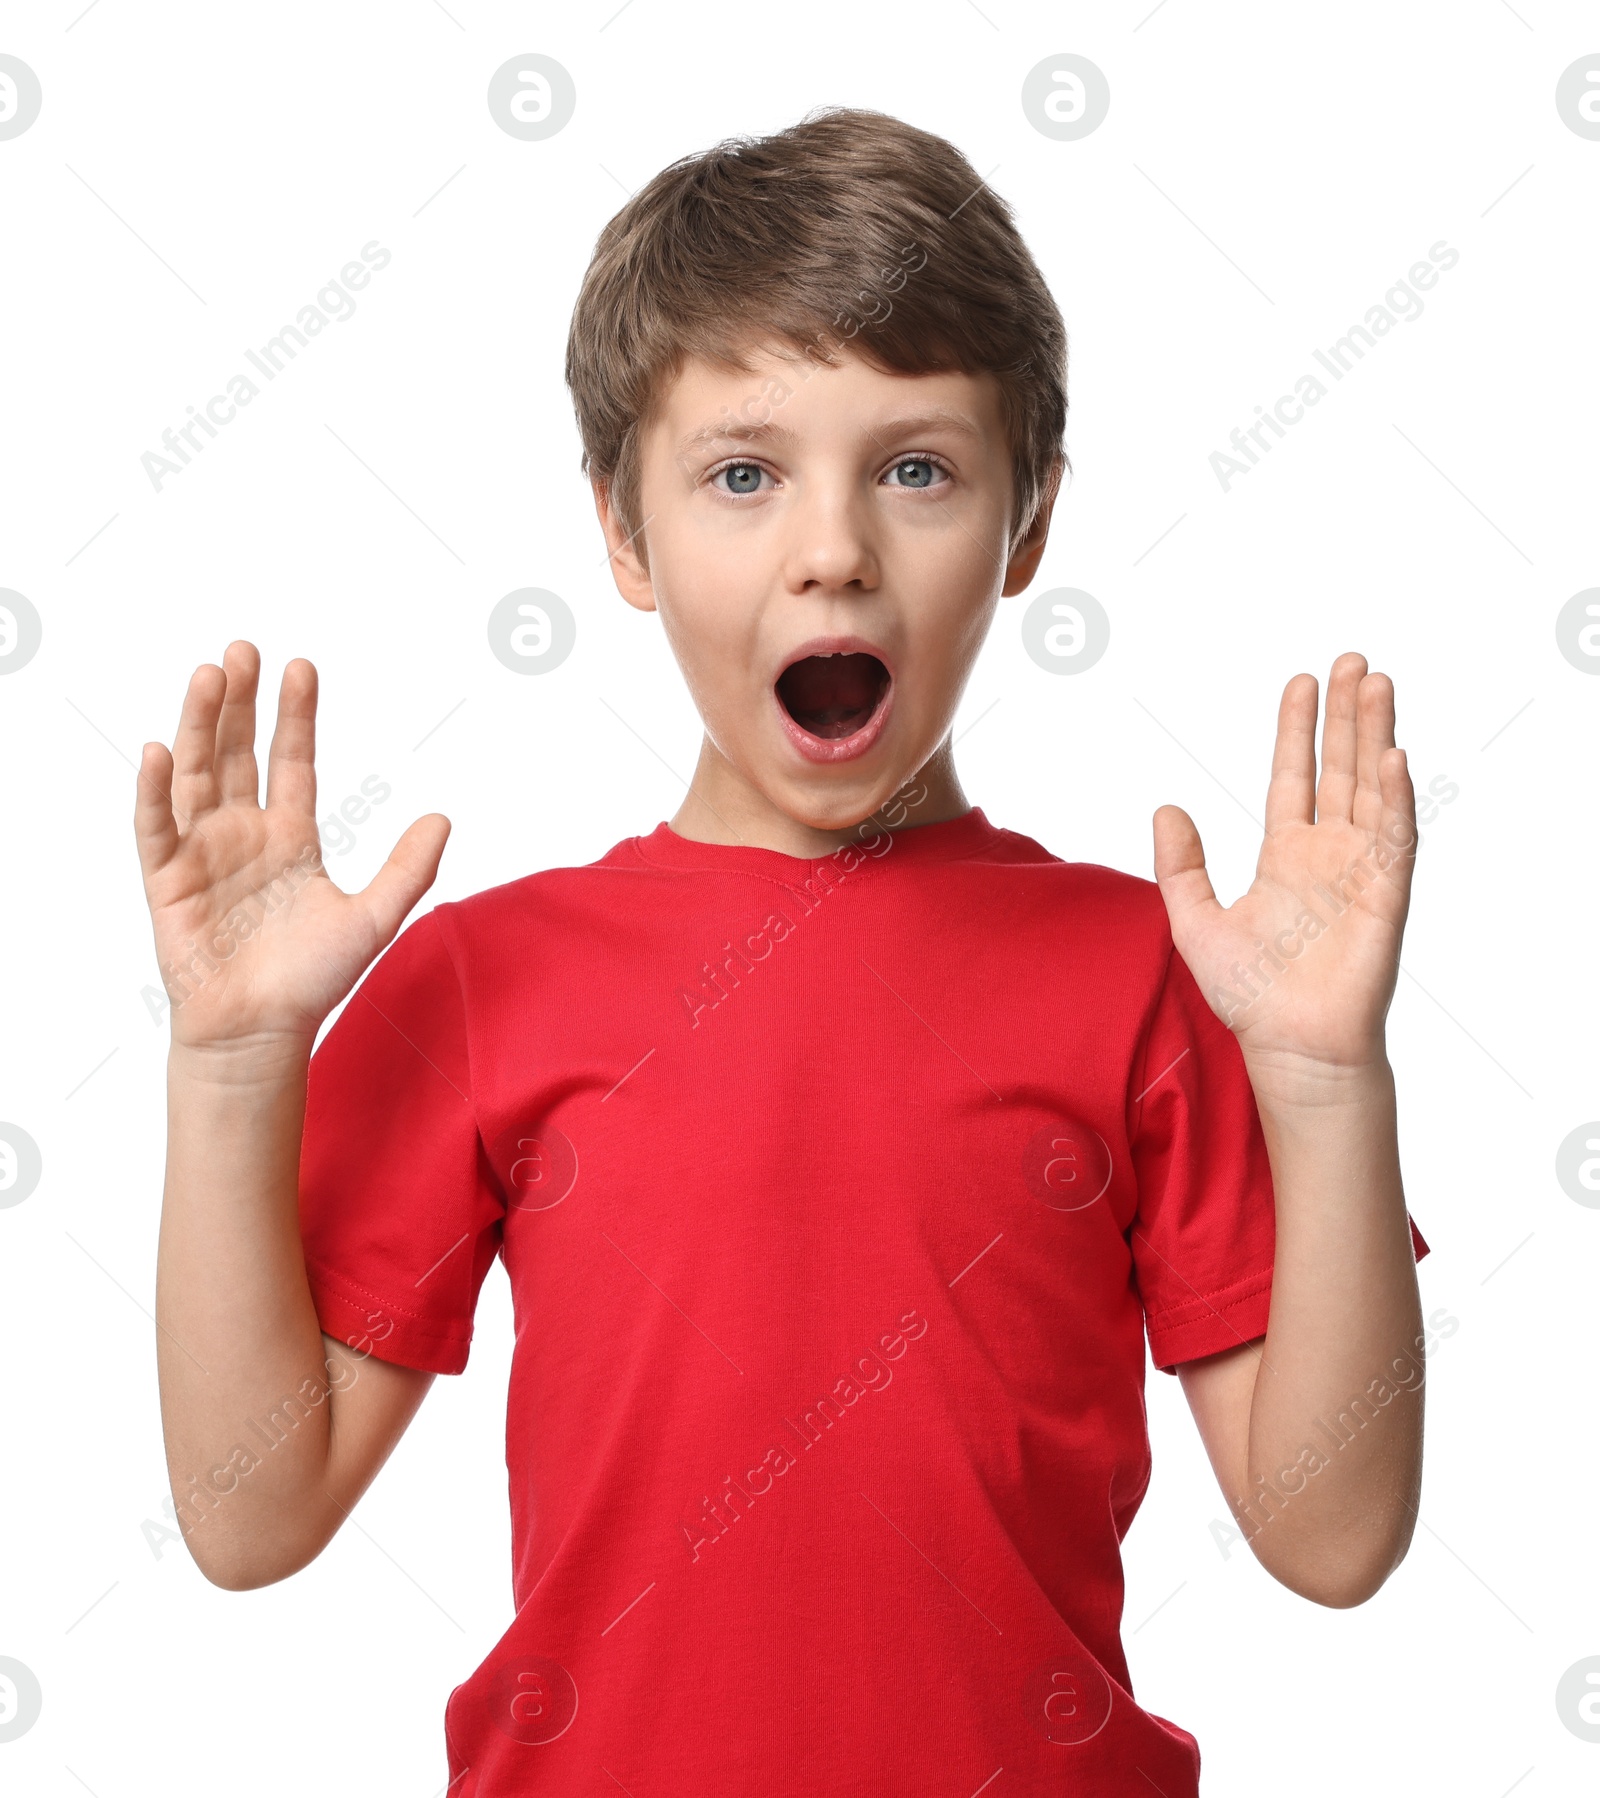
257, 946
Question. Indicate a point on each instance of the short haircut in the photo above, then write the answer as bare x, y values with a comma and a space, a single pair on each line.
802, 239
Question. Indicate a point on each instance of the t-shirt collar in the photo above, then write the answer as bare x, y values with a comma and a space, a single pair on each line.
951, 839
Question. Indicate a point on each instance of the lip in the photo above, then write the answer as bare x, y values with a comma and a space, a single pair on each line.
834, 749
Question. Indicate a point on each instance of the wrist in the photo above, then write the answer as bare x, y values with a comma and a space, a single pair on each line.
262, 1058
1302, 1083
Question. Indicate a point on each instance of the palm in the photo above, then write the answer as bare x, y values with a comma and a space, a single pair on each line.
1303, 965
253, 939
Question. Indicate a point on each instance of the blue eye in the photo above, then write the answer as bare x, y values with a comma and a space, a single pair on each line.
925, 468
918, 472
745, 477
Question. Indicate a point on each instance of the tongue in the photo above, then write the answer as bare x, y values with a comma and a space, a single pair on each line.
831, 696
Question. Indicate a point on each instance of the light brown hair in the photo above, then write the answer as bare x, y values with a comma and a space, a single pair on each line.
810, 238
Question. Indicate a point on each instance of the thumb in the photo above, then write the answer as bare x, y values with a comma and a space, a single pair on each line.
1180, 863
405, 876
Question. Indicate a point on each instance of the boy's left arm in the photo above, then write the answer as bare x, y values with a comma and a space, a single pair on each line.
1302, 969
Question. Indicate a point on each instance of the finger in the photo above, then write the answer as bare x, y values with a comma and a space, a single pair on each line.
406, 875
1374, 734
1291, 793
1337, 787
292, 759
194, 779
1181, 868
155, 831
237, 775
1397, 825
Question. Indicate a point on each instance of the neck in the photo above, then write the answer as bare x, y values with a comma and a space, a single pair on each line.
722, 806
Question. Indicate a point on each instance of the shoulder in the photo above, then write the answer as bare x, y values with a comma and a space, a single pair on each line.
534, 911
1080, 927
1117, 897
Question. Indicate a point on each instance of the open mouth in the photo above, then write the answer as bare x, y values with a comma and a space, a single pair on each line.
833, 696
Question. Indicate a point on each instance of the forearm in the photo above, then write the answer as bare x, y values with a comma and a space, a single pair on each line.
1334, 1463
245, 1400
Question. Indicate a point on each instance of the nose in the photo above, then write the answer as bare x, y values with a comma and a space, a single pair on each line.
831, 545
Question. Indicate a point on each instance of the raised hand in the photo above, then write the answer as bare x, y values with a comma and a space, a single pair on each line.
255, 942
1303, 966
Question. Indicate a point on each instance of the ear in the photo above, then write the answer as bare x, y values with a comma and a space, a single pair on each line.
628, 567
1024, 564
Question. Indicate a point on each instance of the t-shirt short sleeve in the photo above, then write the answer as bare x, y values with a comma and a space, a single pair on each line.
1203, 1234
400, 1212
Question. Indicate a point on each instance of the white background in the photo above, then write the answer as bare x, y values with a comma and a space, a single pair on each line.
1265, 174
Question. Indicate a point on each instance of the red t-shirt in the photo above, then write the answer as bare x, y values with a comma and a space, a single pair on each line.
836, 1198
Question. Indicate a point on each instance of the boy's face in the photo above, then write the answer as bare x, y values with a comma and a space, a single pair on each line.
826, 546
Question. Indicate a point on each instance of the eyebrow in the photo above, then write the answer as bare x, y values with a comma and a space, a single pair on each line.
734, 431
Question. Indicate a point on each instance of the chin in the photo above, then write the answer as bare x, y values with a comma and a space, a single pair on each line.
836, 805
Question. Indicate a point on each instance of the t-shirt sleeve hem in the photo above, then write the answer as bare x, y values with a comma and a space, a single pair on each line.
1204, 1326
1221, 1320
372, 1325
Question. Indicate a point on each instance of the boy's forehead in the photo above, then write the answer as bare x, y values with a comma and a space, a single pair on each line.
782, 393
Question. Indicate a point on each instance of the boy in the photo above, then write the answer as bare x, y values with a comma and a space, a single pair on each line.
841, 1147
